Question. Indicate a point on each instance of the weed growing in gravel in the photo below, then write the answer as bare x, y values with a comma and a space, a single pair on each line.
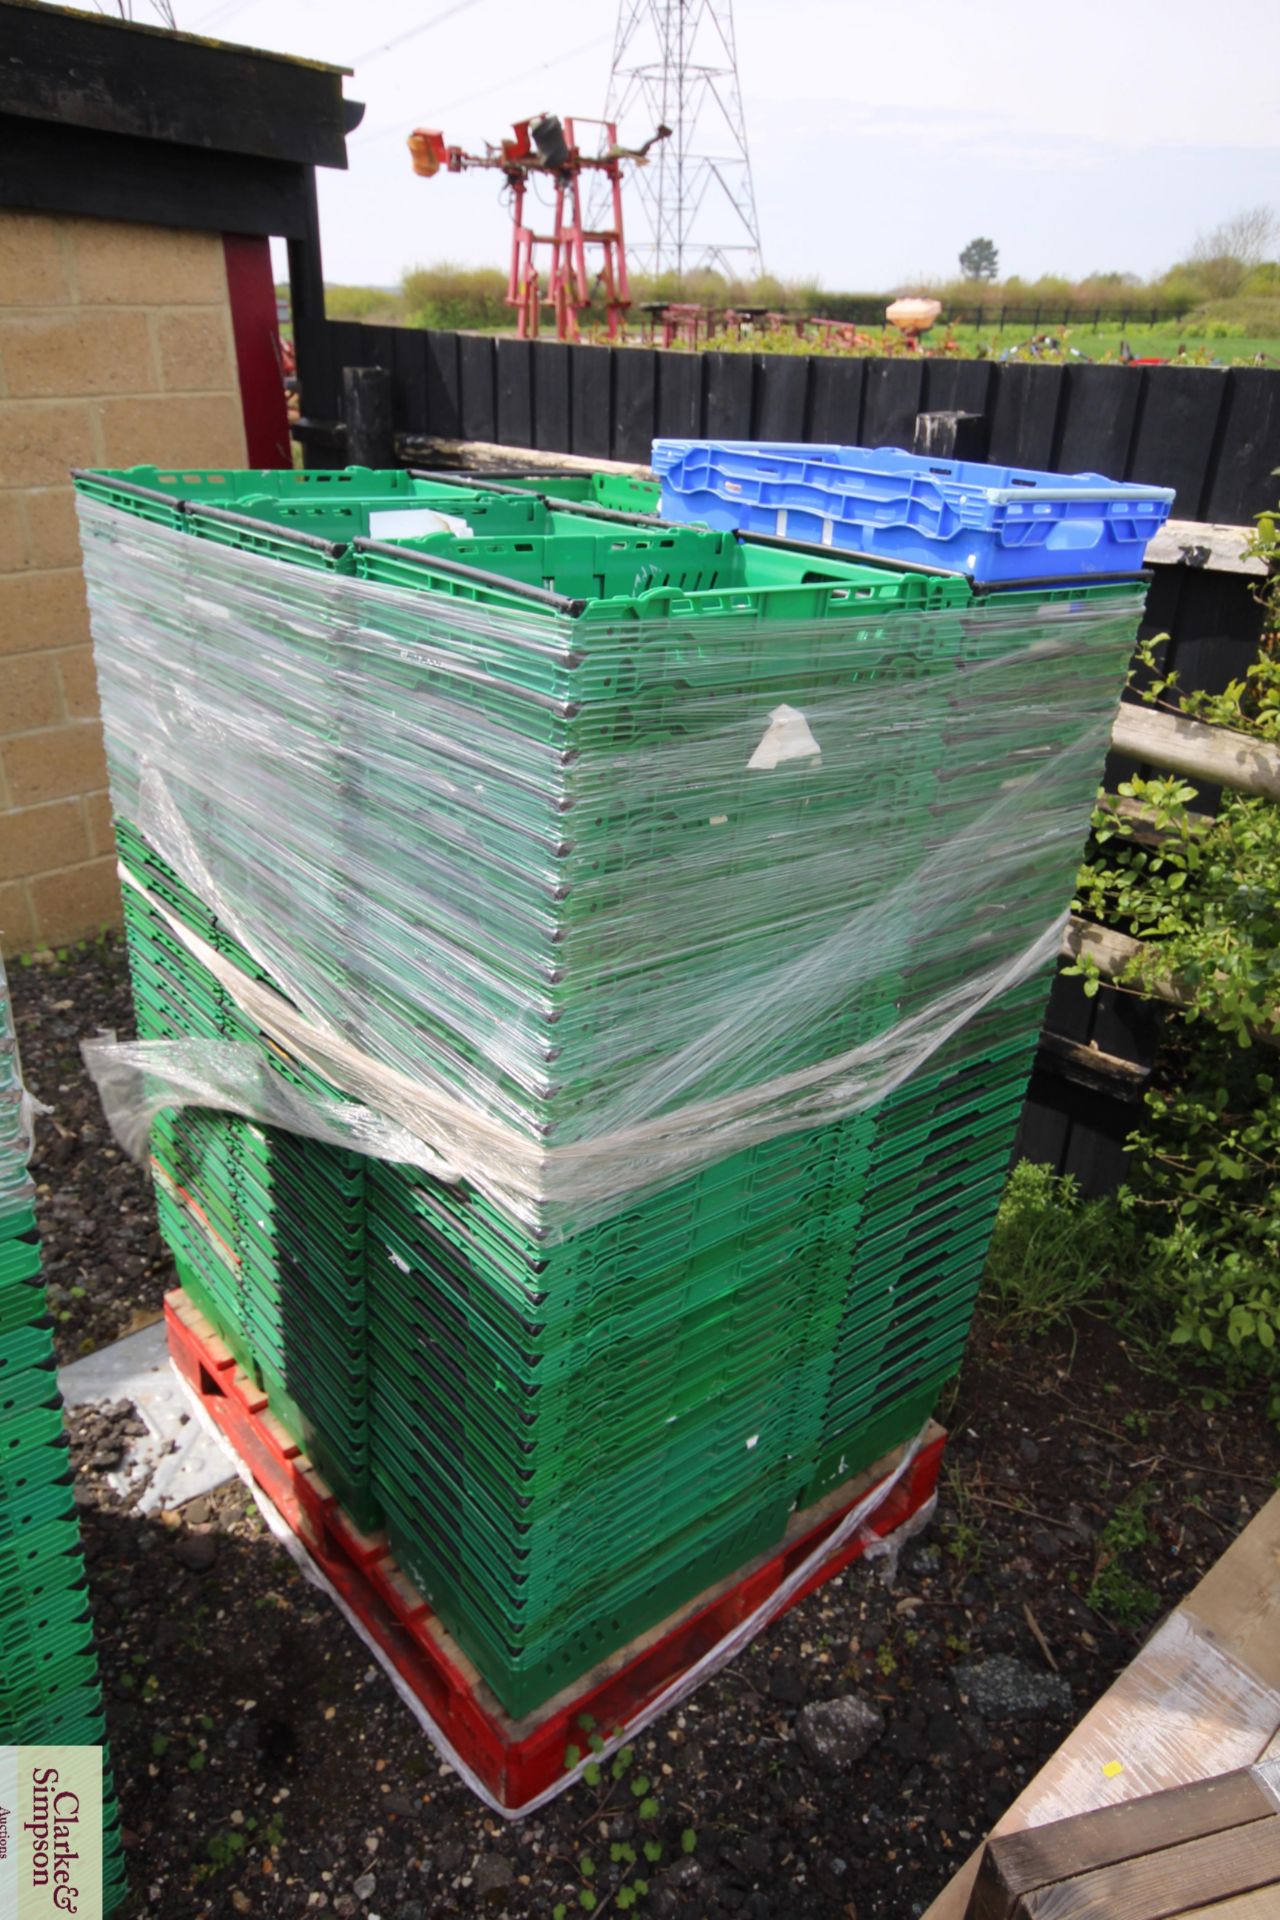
1052, 1251
224, 1849
964, 1536
624, 1882
1115, 1592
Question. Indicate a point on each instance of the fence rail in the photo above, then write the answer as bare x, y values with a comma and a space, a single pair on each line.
1212, 434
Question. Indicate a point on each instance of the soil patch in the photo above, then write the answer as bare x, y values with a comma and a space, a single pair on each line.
266, 1767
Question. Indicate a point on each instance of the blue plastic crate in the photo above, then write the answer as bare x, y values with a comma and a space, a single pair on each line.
991, 523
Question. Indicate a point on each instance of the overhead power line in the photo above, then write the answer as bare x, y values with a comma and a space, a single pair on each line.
401, 39
438, 111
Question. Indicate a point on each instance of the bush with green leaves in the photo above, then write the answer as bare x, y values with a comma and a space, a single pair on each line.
449, 296
1201, 894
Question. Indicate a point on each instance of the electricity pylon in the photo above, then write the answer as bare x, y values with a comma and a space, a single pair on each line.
675, 64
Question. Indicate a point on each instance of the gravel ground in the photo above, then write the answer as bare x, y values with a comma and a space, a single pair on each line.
842, 1767
106, 1268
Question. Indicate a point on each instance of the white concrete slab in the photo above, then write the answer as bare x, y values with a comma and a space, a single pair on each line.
175, 1460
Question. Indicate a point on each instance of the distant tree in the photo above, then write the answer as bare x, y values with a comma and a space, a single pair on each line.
1247, 236
1223, 259
980, 260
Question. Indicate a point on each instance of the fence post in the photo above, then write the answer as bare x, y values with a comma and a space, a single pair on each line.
366, 409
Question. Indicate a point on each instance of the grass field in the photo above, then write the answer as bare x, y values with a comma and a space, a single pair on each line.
1159, 342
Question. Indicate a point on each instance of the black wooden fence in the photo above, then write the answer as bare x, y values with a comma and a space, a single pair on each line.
1214, 435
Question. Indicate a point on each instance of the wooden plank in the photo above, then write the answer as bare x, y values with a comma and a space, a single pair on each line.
443, 383
1044, 1130
1174, 434
514, 388
476, 372
679, 413
835, 400
1024, 415
1202, 544
1052, 1096
85, 70
728, 384
1088, 1066
1202, 752
319, 390
1215, 627
410, 355
1099, 411
1262, 1904
551, 411
1018, 1863
352, 345
961, 386
635, 376
489, 456
1159, 1885
46, 169
891, 402
781, 396
1238, 1600
1202, 1697
1243, 480
1113, 954
591, 402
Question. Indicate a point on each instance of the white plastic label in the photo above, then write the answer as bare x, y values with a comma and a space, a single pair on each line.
406, 523
787, 737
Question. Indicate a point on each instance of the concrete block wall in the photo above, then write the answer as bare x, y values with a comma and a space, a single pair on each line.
115, 348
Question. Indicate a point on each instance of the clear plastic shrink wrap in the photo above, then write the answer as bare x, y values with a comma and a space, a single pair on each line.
568, 901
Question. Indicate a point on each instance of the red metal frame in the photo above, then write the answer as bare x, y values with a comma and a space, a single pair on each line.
568, 288
515, 1760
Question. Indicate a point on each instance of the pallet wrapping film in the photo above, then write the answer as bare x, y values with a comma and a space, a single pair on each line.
587, 974
569, 907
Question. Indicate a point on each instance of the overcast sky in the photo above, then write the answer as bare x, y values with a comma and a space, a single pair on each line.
1092, 135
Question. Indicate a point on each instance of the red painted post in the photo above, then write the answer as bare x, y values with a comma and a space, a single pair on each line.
259, 365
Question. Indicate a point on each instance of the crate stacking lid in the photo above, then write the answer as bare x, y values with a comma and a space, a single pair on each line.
990, 522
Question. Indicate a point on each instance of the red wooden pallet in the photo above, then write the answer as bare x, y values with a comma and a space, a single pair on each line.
514, 1759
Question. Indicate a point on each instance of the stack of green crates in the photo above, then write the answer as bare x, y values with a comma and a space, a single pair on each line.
49, 1688
267, 1228
537, 866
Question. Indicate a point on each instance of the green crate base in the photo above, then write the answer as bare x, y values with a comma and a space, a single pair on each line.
19, 1260
75, 1719
525, 1678
36, 1583
353, 1493
19, 1223
868, 1438
25, 1695
471, 1466
36, 1487
22, 1304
